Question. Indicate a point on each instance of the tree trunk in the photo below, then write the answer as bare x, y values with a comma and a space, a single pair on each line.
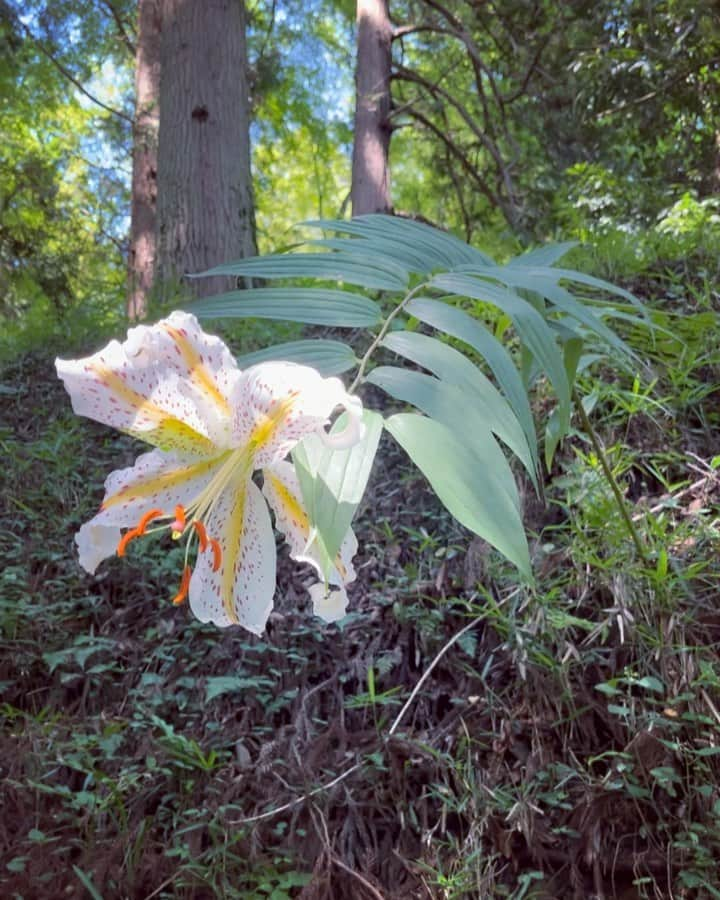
141, 257
205, 202
370, 169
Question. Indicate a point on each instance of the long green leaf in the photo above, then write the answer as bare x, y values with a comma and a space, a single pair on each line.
534, 331
446, 403
328, 357
543, 256
480, 393
571, 275
333, 481
572, 356
465, 482
343, 267
439, 248
314, 306
460, 325
410, 257
87, 883
427, 235
563, 300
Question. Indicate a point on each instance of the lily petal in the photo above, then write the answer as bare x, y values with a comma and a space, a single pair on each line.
282, 490
328, 605
200, 359
95, 543
166, 385
240, 591
278, 403
158, 480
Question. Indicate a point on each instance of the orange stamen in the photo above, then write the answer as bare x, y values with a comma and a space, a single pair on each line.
178, 525
147, 519
217, 554
184, 587
202, 534
125, 540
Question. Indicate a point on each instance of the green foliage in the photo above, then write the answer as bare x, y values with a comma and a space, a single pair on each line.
60, 197
300, 59
553, 315
551, 118
568, 715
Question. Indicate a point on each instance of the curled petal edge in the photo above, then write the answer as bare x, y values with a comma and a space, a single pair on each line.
328, 605
354, 430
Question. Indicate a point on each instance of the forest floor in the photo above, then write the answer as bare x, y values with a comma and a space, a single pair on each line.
455, 736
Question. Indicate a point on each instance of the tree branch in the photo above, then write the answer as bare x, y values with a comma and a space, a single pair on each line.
637, 101
437, 91
70, 77
122, 30
484, 188
459, 31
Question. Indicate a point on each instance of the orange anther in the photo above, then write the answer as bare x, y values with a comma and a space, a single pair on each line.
125, 540
184, 587
217, 554
178, 525
147, 519
202, 534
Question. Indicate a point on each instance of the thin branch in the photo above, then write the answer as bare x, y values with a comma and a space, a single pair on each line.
359, 765
525, 81
122, 30
492, 148
401, 31
434, 88
70, 77
459, 31
637, 101
463, 159
268, 33
457, 184
477, 68
363, 881
426, 674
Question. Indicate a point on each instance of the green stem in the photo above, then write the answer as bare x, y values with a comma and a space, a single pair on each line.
619, 499
381, 334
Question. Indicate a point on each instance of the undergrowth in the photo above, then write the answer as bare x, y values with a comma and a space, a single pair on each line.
567, 744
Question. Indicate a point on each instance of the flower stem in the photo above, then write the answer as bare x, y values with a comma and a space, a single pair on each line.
381, 334
619, 499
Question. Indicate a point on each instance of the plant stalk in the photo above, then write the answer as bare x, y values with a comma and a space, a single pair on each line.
381, 334
619, 499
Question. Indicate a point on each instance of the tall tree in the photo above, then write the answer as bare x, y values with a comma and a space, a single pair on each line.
143, 225
205, 201
370, 168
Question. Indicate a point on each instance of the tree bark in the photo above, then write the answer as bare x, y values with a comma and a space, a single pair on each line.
141, 257
205, 201
370, 168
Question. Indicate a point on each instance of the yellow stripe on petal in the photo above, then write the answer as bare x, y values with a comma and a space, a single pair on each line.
232, 552
197, 371
282, 491
290, 504
239, 591
152, 424
269, 423
158, 484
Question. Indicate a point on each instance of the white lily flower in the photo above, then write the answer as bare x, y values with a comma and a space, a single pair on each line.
179, 389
